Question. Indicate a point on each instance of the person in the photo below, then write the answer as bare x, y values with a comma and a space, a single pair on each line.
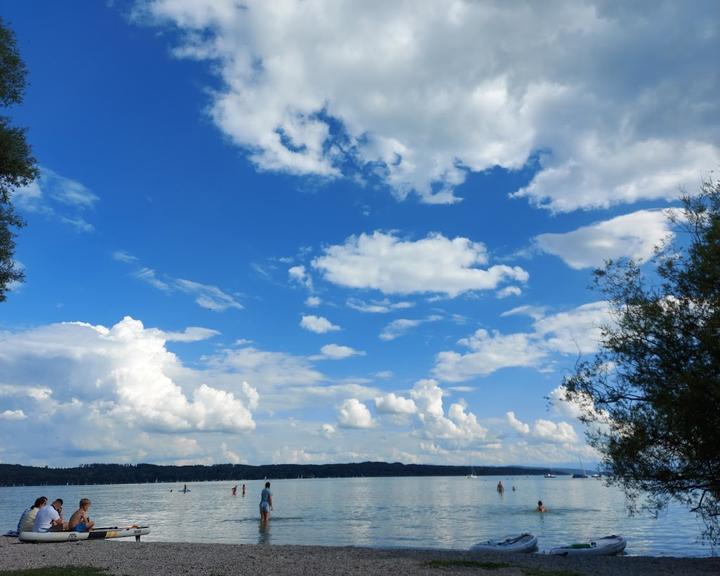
266, 503
234, 490
80, 521
243, 490
500, 487
27, 519
541, 507
49, 518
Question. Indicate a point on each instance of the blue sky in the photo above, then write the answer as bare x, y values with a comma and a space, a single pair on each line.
334, 231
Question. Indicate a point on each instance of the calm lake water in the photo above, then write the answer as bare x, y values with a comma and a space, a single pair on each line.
439, 512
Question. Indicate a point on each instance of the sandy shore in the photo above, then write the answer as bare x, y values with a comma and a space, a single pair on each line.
171, 559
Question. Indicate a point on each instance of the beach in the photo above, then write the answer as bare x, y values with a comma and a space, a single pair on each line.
175, 559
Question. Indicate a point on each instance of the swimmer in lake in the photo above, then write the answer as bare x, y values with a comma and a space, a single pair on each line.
541, 507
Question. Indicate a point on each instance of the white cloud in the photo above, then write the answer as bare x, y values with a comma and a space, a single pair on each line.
12, 415
544, 430
383, 306
328, 430
190, 334
35, 392
633, 235
312, 302
392, 404
458, 427
300, 275
317, 324
434, 264
354, 414
149, 276
398, 328
208, 296
489, 352
516, 424
123, 374
57, 197
509, 291
122, 256
554, 431
337, 352
577, 331
427, 91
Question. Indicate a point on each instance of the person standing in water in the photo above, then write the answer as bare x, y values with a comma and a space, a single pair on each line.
234, 490
500, 487
266, 503
541, 507
243, 489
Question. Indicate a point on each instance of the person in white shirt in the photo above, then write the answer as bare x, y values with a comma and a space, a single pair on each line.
49, 518
28, 517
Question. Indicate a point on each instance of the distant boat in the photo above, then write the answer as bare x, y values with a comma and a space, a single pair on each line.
584, 474
550, 475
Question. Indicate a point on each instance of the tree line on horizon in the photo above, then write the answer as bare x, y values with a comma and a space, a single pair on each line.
19, 475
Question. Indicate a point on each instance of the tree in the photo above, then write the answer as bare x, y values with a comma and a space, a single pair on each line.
651, 396
17, 165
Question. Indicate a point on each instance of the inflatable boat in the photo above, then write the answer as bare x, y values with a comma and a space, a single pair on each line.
94, 534
518, 543
607, 546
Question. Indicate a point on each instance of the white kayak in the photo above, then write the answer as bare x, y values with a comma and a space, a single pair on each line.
94, 534
517, 543
607, 546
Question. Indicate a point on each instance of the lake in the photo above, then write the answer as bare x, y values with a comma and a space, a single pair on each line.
417, 512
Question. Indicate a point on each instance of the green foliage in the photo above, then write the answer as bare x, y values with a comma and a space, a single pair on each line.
57, 571
651, 396
17, 165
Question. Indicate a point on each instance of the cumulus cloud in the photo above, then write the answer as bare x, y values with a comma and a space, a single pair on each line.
458, 426
299, 275
394, 266
312, 302
123, 374
516, 424
545, 430
317, 324
304, 91
633, 235
354, 414
11, 415
392, 404
577, 331
337, 352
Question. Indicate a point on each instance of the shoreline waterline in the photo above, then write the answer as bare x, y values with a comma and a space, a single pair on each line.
176, 558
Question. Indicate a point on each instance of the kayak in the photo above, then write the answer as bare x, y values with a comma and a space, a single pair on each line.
94, 534
518, 543
607, 546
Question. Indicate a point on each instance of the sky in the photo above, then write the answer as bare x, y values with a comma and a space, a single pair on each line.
332, 231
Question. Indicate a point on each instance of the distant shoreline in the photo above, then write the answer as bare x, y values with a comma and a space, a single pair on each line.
170, 559
90, 474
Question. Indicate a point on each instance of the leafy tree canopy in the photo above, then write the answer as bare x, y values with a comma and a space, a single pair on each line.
651, 396
17, 165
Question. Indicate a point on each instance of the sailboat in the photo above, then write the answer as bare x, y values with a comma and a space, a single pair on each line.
584, 474
472, 473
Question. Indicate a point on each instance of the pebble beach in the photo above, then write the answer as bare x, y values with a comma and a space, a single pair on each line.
171, 559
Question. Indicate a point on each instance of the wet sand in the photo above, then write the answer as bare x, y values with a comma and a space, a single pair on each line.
171, 559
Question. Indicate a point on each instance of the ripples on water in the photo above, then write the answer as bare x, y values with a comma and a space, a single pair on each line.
437, 512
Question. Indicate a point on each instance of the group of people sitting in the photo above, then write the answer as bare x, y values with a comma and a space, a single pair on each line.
43, 518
